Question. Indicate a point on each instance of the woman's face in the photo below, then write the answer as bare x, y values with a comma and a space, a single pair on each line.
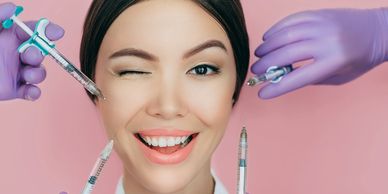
168, 73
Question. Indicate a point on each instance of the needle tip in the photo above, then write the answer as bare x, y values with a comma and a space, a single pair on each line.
250, 82
244, 132
107, 150
102, 96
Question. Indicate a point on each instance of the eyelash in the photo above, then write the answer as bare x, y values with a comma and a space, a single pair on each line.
194, 71
125, 72
215, 70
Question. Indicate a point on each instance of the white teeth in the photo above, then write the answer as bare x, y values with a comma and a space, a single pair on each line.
163, 141
155, 141
177, 140
170, 141
149, 140
183, 139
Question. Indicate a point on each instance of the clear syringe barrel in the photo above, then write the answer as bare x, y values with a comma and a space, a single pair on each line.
242, 162
70, 68
96, 171
77, 74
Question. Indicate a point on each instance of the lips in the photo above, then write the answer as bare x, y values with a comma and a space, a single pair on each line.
166, 146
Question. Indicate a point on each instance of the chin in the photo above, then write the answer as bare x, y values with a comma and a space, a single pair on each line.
165, 181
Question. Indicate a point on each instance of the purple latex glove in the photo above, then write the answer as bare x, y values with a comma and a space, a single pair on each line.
342, 43
19, 72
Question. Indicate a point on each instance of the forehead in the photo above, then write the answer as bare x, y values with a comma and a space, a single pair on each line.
154, 24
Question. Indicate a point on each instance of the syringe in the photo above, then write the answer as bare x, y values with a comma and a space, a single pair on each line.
97, 168
274, 74
39, 40
242, 162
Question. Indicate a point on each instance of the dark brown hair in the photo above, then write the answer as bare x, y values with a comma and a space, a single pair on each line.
228, 13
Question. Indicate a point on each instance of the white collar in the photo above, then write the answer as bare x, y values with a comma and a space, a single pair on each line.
219, 187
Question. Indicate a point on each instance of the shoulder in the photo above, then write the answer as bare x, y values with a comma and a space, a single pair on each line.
219, 187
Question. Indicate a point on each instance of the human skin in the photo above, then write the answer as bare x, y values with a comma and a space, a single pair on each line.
172, 91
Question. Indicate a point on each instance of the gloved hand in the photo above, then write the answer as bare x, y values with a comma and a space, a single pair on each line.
342, 43
19, 72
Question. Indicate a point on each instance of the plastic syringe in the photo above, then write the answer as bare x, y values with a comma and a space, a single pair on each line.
39, 40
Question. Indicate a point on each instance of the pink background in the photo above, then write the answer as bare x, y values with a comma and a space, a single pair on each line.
317, 140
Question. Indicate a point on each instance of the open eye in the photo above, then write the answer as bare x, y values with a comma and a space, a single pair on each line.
204, 70
132, 72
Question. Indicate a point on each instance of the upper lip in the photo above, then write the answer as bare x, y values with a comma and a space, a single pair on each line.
165, 132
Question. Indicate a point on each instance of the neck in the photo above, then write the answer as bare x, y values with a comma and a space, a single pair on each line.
202, 183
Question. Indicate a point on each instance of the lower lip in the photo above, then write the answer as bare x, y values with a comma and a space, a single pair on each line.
173, 158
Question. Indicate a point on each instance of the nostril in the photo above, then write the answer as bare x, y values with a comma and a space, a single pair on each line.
168, 113
167, 106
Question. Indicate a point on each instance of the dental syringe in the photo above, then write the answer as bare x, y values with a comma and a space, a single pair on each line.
39, 40
274, 74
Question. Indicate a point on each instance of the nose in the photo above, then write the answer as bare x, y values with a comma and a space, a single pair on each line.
167, 100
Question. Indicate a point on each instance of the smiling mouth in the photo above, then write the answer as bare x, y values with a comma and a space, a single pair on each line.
166, 144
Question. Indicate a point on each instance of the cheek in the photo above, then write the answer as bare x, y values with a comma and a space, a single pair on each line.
123, 101
212, 103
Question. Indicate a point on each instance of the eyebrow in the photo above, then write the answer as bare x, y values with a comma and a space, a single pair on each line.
147, 56
203, 46
133, 52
